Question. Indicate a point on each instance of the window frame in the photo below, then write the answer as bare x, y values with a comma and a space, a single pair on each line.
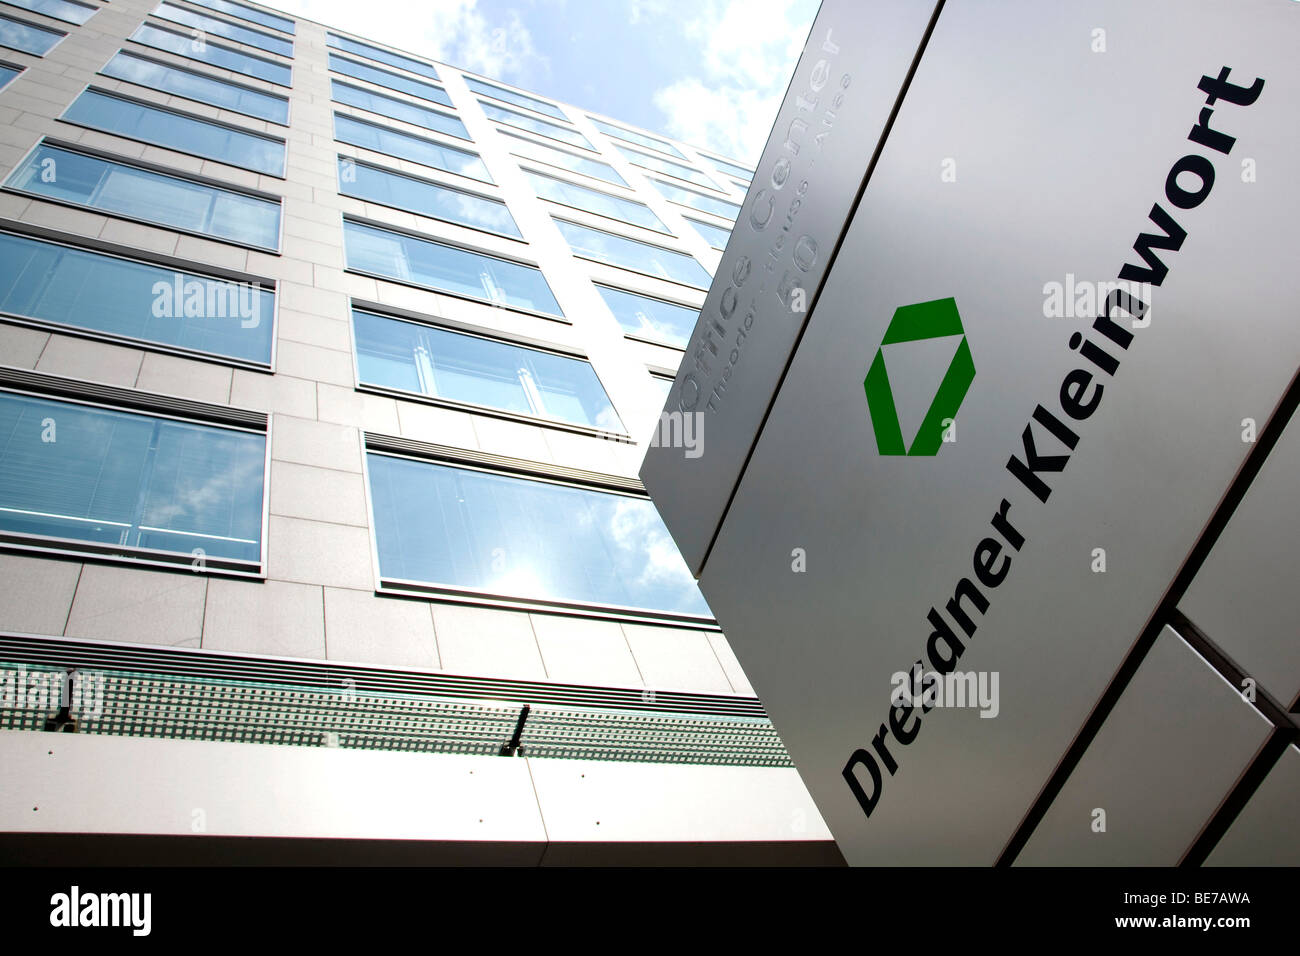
156, 260
445, 111
150, 167
455, 244
45, 387
90, 88
94, 8
490, 335
62, 34
589, 148
625, 148
658, 298
346, 58
288, 117
638, 272
696, 223
168, 27
501, 465
18, 69
559, 147
665, 231
293, 23
392, 157
601, 123
208, 14
663, 375
656, 183
727, 168
331, 34
501, 87
430, 182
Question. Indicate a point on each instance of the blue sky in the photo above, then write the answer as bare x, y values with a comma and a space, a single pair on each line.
709, 72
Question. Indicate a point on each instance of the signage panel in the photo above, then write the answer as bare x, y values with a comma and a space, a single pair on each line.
1017, 401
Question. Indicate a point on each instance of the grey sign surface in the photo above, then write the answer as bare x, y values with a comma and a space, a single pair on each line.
1037, 143
835, 112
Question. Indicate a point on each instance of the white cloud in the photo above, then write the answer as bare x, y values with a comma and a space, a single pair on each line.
453, 31
748, 50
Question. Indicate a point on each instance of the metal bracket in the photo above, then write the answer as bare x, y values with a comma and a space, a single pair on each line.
511, 748
63, 722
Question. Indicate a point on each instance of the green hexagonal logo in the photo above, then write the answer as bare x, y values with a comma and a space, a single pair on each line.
912, 323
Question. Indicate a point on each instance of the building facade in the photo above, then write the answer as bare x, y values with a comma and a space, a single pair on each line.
326, 372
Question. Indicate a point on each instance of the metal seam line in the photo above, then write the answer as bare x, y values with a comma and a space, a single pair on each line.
1268, 439
830, 265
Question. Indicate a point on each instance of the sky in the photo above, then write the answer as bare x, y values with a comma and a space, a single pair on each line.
711, 73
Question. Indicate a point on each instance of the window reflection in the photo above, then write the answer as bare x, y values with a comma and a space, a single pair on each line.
631, 254
153, 197
381, 139
177, 131
447, 268
650, 318
90, 290
130, 480
524, 538
466, 368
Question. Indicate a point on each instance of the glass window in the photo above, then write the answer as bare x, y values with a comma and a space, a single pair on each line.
68, 11
510, 96
382, 56
151, 197
214, 54
541, 127
130, 480
715, 236
665, 166
630, 136
466, 368
564, 160
732, 168
648, 318
388, 188
594, 201
441, 525
28, 37
75, 287
198, 87
390, 81
631, 254
689, 197
172, 130
445, 268
283, 24
398, 109
662, 386
356, 132
223, 28
7, 73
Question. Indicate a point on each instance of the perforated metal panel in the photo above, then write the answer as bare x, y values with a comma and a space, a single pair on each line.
181, 706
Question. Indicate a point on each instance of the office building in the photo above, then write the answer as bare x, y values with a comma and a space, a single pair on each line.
326, 372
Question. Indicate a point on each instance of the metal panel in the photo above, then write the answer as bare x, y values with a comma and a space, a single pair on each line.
1167, 755
583, 801
837, 106
1265, 832
76, 784
1241, 597
1057, 155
